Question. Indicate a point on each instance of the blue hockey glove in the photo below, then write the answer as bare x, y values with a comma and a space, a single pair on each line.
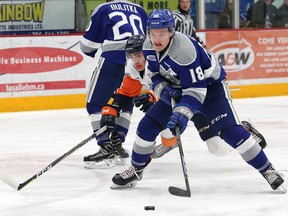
146, 101
177, 120
170, 92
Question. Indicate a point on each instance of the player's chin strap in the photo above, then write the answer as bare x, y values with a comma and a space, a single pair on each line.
6, 179
175, 190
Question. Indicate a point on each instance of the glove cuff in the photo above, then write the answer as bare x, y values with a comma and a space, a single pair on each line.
159, 88
152, 98
110, 110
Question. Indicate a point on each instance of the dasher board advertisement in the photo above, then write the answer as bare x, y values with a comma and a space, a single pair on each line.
148, 5
251, 55
36, 16
43, 66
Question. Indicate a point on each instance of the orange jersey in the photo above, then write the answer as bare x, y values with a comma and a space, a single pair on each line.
130, 87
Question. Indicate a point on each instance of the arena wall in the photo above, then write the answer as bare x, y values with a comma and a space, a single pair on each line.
50, 72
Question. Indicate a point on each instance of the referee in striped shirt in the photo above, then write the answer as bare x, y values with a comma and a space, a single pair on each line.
183, 20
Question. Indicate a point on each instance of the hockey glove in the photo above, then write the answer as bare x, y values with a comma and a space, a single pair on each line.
168, 92
109, 114
177, 120
146, 101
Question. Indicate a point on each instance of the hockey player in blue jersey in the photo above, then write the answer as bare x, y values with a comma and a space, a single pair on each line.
181, 68
135, 78
112, 23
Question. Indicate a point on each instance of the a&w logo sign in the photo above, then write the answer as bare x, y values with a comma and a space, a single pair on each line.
234, 55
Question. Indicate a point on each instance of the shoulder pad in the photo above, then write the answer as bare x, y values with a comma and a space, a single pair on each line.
182, 49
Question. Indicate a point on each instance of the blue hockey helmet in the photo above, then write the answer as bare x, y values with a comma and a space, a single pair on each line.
161, 19
135, 43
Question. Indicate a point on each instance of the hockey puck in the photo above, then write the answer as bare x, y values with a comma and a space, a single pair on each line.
147, 208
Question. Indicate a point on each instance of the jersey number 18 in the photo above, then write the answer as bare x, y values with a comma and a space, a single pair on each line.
197, 74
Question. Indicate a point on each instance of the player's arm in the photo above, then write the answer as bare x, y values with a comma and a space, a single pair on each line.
193, 96
122, 99
95, 34
132, 88
124, 96
164, 90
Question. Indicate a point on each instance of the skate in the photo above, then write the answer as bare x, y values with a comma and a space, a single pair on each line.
255, 134
117, 144
110, 154
274, 179
105, 154
161, 150
127, 179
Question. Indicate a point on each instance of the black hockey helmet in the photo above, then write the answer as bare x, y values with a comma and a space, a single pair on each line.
135, 43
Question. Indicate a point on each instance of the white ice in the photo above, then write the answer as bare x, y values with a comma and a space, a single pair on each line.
220, 186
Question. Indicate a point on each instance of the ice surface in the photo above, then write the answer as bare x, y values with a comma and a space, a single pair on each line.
220, 186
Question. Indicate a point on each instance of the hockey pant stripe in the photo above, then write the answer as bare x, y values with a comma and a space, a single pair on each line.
93, 80
141, 152
142, 146
95, 120
249, 149
123, 124
124, 119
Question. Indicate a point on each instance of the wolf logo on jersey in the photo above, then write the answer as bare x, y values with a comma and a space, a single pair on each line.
169, 74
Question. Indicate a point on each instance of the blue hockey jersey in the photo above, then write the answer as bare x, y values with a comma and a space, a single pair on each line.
185, 64
111, 25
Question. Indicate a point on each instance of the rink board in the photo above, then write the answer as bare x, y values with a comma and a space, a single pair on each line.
51, 72
78, 100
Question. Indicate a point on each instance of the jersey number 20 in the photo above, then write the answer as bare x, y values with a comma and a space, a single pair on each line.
131, 19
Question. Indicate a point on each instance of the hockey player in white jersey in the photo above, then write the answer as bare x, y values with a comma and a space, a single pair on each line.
135, 90
181, 68
112, 23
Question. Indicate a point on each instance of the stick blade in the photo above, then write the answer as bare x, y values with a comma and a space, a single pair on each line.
179, 192
8, 180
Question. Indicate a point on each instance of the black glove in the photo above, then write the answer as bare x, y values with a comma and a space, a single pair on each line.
109, 114
146, 101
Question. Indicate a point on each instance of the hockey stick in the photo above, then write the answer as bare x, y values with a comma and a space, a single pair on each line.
6, 179
175, 190
73, 45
